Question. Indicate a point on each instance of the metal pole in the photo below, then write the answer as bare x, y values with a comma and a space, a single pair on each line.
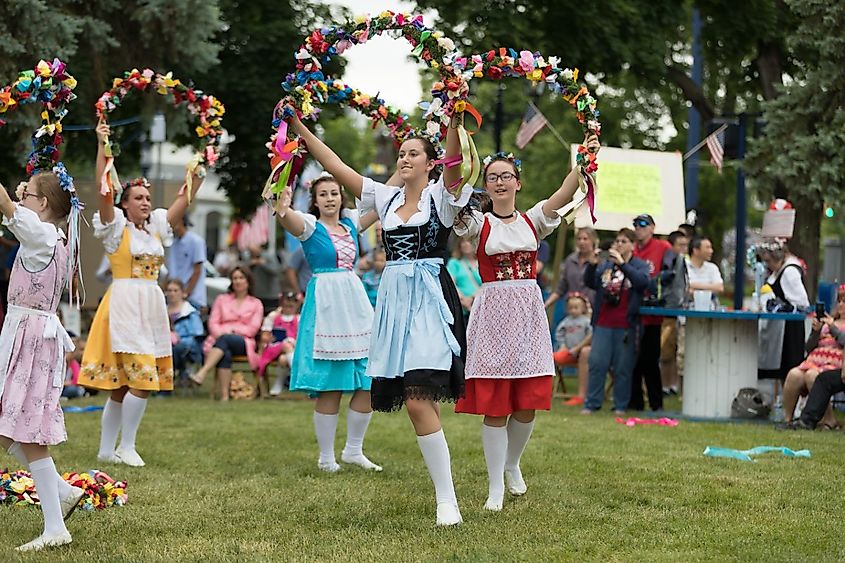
741, 212
158, 200
499, 117
693, 117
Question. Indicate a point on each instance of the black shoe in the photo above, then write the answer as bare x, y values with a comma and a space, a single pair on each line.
796, 424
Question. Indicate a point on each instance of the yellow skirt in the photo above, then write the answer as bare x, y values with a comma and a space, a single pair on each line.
104, 369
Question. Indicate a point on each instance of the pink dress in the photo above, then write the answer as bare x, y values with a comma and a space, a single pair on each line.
274, 350
33, 342
826, 356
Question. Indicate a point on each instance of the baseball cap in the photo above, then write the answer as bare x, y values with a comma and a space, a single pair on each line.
643, 219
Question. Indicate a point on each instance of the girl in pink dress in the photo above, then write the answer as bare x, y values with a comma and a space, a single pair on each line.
278, 338
33, 342
509, 349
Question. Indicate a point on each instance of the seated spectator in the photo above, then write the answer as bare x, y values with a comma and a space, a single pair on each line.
619, 283
278, 338
824, 347
572, 270
372, 277
186, 330
463, 267
573, 335
827, 384
72, 389
232, 326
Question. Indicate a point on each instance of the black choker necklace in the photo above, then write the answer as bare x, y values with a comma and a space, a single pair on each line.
508, 216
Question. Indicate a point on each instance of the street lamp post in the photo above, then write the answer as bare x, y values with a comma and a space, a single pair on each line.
158, 134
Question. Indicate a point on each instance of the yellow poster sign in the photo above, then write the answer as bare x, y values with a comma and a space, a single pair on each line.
630, 189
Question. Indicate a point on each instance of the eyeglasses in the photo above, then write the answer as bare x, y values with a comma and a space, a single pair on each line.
504, 176
25, 194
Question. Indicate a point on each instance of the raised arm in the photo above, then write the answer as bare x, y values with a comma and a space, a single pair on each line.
177, 209
291, 222
7, 206
368, 219
564, 193
105, 203
332, 163
452, 174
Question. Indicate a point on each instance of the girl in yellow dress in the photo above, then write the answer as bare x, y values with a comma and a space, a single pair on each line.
128, 351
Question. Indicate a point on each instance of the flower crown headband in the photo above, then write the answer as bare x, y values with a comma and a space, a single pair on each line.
489, 159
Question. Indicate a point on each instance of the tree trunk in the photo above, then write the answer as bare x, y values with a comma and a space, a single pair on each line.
770, 66
692, 92
806, 235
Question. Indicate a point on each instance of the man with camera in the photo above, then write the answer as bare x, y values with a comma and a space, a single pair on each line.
619, 280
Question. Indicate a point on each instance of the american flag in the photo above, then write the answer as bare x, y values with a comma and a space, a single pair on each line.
532, 122
717, 152
256, 231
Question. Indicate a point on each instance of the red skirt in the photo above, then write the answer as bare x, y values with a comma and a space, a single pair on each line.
501, 397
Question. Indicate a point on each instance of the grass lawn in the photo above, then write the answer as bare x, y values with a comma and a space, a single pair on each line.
239, 482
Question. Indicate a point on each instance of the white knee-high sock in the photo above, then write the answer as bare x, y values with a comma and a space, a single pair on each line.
16, 450
110, 427
495, 442
44, 475
325, 425
356, 427
518, 435
435, 452
130, 420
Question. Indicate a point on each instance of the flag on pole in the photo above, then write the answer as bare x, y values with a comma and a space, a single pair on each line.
256, 231
717, 152
532, 122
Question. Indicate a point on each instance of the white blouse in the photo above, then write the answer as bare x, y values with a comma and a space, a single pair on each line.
509, 237
791, 284
375, 195
311, 221
140, 241
38, 238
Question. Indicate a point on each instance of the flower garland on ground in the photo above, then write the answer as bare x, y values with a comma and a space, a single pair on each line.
308, 87
101, 491
208, 110
500, 63
50, 85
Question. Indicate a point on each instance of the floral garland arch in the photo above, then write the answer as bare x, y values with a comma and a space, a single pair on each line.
207, 109
50, 85
307, 88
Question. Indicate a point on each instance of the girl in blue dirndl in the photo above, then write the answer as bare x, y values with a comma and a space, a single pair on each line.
330, 357
418, 340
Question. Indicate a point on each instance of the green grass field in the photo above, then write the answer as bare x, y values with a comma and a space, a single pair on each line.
239, 482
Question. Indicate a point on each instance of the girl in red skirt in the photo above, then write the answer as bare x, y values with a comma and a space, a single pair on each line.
509, 363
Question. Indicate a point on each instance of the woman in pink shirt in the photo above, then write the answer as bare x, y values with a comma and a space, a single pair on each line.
234, 322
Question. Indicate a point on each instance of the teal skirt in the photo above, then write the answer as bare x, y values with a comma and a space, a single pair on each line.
312, 375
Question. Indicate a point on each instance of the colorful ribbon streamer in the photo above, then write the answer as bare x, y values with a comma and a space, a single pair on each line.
745, 455
634, 421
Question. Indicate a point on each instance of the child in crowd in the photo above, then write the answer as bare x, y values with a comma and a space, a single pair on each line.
372, 277
278, 338
186, 330
72, 389
573, 336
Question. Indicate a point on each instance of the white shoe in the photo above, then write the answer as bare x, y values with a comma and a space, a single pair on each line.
70, 502
360, 460
129, 457
110, 458
328, 466
493, 505
516, 485
43, 541
278, 386
448, 514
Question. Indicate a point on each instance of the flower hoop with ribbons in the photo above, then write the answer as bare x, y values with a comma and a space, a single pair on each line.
207, 109
52, 86
307, 88
501, 63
